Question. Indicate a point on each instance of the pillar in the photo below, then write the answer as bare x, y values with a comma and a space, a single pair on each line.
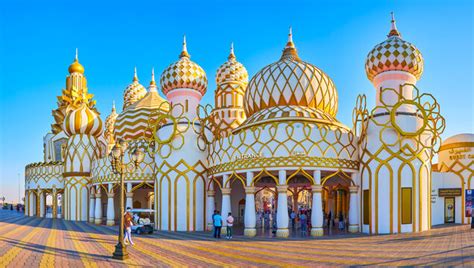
282, 209
110, 209
353, 209
211, 206
225, 207
98, 208
27, 202
249, 213
129, 196
31, 203
38, 203
317, 211
91, 205
54, 198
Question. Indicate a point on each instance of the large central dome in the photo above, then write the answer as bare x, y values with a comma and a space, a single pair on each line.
291, 82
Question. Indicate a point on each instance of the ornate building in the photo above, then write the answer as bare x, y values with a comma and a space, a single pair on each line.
270, 145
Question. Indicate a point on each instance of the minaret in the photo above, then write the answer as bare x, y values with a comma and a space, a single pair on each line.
83, 127
110, 128
395, 148
181, 163
231, 80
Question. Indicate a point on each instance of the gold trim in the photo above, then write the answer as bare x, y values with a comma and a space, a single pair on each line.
456, 145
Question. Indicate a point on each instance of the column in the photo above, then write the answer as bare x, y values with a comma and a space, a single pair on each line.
91, 205
38, 203
98, 208
317, 211
110, 209
211, 206
353, 209
225, 207
27, 201
249, 213
129, 196
282, 209
31, 203
54, 198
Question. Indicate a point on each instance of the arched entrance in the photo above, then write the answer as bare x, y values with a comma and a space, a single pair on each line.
336, 197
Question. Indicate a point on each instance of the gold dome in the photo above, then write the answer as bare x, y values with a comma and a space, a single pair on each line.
291, 82
76, 67
110, 124
394, 54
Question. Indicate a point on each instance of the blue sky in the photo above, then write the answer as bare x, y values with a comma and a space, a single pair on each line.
38, 40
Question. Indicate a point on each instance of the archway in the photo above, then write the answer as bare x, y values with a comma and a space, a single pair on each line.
336, 196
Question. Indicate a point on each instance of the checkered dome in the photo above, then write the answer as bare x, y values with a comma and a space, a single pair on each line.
232, 71
291, 81
184, 74
394, 54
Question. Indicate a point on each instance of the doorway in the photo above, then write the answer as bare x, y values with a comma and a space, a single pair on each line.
449, 210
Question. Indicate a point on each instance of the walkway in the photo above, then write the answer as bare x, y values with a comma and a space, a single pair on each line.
32, 242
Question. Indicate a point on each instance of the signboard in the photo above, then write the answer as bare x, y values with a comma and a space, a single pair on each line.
448, 192
469, 202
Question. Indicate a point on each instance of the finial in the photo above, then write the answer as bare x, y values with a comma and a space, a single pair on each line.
77, 55
290, 50
135, 76
290, 39
231, 54
184, 52
393, 28
152, 86
113, 106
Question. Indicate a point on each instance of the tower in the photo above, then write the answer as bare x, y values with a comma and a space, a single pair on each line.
181, 161
231, 80
397, 140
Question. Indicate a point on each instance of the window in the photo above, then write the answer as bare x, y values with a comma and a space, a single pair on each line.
406, 204
367, 206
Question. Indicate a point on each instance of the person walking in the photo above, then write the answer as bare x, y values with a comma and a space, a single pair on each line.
341, 222
217, 225
127, 224
293, 219
304, 224
230, 223
213, 225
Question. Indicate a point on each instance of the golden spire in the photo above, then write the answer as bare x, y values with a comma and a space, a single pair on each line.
135, 76
152, 86
290, 50
184, 52
113, 106
393, 28
76, 67
231, 54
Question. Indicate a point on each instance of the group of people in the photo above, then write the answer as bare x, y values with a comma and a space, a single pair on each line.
217, 222
331, 221
302, 217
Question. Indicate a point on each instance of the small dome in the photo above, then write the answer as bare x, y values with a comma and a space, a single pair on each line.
110, 123
83, 121
290, 82
394, 54
232, 70
184, 73
76, 67
133, 92
461, 139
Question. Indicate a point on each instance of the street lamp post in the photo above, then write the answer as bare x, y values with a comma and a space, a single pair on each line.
116, 158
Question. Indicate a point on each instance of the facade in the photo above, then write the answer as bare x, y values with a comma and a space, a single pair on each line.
270, 145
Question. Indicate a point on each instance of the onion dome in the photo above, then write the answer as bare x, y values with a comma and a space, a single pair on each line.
83, 121
133, 92
394, 54
184, 73
291, 82
76, 67
232, 70
109, 125
136, 122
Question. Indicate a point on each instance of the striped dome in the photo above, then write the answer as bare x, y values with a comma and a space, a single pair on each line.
135, 122
394, 54
83, 121
184, 73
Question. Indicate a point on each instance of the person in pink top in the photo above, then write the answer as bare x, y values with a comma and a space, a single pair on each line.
230, 223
